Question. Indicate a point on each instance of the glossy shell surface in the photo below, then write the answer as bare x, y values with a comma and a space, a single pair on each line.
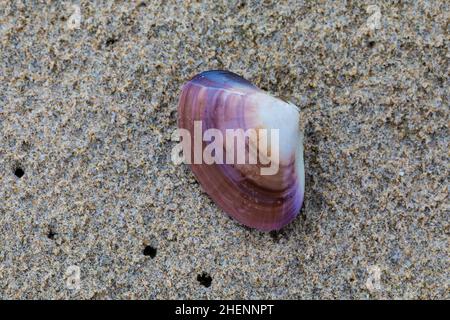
223, 100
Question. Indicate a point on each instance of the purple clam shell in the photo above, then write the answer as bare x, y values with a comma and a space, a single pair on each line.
223, 100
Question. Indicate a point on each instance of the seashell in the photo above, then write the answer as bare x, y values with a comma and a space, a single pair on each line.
224, 101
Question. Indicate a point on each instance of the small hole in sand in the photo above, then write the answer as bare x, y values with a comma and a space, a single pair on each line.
51, 234
19, 172
149, 251
204, 279
111, 41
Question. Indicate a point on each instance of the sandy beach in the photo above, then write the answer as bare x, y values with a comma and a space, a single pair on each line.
91, 206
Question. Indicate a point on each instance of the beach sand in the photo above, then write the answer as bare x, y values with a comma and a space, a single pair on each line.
88, 104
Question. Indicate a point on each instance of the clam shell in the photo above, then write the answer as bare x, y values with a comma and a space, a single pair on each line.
223, 100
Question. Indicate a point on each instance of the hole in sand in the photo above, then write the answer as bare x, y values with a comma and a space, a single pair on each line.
19, 172
51, 234
111, 41
149, 251
204, 279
